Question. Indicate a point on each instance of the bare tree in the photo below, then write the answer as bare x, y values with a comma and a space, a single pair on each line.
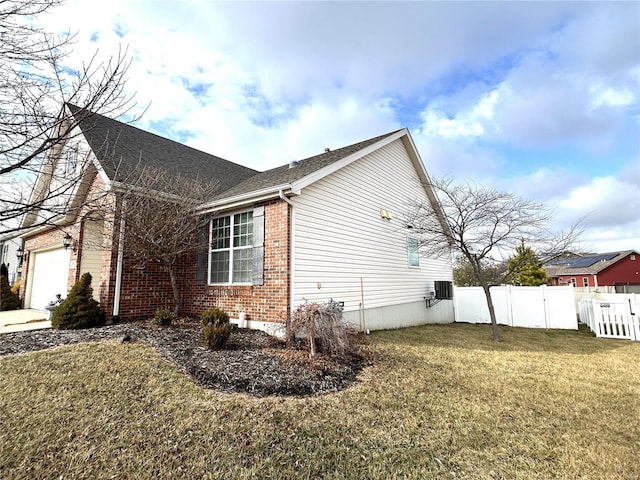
159, 212
483, 226
35, 84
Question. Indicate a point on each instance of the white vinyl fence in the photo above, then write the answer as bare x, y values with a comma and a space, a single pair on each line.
530, 307
611, 319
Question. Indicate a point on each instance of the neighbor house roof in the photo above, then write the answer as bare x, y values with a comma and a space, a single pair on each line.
121, 148
590, 264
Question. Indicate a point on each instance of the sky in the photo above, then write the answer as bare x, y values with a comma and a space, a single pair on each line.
540, 99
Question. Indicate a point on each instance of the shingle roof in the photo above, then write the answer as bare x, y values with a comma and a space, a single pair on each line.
122, 148
285, 174
585, 264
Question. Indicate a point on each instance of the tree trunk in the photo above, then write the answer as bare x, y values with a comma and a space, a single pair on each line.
176, 292
475, 261
492, 313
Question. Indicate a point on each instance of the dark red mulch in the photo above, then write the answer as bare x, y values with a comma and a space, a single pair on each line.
251, 362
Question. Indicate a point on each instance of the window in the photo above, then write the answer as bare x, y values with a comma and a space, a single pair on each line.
231, 255
413, 252
585, 282
573, 281
71, 161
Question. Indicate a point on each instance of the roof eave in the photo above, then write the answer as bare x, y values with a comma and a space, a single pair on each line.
244, 199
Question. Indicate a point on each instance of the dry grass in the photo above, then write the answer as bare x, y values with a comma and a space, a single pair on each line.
441, 402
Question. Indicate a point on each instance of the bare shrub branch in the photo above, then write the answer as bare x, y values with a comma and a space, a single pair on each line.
35, 84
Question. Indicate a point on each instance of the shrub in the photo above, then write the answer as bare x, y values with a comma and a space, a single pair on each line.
8, 299
163, 317
79, 309
215, 328
15, 288
4, 271
320, 323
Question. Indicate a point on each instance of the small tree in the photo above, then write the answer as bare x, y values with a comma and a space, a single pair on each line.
525, 269
79, 309
159, 210
482, 225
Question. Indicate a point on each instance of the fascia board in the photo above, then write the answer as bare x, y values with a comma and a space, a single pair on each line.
61, 222
425, 180
298, 185
244, 199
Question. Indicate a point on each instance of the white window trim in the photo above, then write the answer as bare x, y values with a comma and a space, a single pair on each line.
231, 249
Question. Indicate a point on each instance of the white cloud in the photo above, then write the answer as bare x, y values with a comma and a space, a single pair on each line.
610, 206
478, 82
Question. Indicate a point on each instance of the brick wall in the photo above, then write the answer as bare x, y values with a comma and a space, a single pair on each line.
143, 290
262, 303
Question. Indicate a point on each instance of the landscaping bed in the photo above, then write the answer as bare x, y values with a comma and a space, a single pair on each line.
251, 362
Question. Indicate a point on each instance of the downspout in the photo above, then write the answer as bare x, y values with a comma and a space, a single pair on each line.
116, 296
291, 242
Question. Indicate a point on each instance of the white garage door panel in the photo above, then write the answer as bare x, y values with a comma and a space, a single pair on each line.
50, 277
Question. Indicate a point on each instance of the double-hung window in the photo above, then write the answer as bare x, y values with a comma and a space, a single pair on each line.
231, 254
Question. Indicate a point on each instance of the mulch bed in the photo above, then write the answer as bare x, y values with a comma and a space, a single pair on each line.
251, 362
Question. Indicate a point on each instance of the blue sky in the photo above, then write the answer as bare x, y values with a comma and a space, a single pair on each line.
542, 99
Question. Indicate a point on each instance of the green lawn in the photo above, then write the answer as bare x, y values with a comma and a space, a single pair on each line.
440, 402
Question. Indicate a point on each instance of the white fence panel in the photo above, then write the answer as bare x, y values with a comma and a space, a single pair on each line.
611, 319
561, 308
529, 307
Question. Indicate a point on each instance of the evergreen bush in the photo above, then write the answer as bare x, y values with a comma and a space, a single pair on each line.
163, 317
8, 299
79, 309
215, 328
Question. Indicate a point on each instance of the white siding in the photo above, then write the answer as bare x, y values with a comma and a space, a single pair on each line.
92, 252
340, 237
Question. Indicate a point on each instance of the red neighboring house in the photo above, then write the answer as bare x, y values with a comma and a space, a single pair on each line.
618, 269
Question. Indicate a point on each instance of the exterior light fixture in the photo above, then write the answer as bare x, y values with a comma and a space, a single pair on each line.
66, 241
20, 255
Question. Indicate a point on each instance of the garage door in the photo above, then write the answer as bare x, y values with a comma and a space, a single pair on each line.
50, 276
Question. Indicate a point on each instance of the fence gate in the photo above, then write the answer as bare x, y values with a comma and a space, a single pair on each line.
611, 319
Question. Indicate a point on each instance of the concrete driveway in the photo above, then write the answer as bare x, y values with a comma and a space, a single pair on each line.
20, 320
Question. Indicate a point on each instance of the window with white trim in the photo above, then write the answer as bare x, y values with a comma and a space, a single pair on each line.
585, 281
413, 252
231, 252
